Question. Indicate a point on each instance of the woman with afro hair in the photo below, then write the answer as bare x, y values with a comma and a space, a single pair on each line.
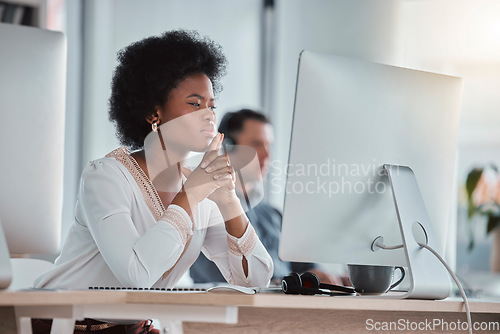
142, 216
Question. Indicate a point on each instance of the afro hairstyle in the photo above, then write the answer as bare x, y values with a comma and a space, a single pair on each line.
149, 69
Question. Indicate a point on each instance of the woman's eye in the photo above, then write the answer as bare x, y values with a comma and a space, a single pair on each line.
197, 105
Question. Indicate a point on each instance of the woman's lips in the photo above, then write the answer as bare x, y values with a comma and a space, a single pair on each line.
208, 131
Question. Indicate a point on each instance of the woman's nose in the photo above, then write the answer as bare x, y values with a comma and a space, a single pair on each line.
209, 115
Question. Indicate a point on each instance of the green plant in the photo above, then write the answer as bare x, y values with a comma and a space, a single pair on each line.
483, 198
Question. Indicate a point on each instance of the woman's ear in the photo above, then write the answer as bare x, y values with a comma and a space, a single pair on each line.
153, 118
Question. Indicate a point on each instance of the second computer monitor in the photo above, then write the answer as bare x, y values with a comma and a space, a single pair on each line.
32, 97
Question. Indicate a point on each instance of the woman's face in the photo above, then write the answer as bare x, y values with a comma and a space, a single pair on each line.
187, 119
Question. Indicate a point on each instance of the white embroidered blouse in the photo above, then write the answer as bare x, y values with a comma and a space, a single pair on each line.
123, 236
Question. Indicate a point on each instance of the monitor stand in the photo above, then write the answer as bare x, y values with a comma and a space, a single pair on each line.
429, 279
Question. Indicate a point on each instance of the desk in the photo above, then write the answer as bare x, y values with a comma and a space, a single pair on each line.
234, 312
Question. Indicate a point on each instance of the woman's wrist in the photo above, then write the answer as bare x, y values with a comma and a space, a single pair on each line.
188, 204
230, 210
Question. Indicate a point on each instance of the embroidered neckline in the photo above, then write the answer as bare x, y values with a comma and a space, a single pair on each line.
146, 187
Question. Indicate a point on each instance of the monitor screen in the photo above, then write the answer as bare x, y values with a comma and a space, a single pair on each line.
32, 95
350, 118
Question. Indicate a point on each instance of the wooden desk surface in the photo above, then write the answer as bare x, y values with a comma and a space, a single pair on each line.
260, 313
262, 300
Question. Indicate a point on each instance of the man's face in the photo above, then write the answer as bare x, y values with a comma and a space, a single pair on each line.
258, 135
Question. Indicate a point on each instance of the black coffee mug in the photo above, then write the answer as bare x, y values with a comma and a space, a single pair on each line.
368, 279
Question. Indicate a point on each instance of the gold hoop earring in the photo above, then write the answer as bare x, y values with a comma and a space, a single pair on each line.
154, 126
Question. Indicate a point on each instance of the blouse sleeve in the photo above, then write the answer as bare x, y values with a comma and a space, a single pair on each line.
228, 251
136, 259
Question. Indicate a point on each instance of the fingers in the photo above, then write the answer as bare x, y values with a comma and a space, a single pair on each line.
212, 162
221, 170
225, 181
216, 142
220, 141
218, 163
208, 158
230, 167
213, 149
220, 167
223, 176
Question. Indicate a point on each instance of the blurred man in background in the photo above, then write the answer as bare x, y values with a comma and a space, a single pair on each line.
252, 129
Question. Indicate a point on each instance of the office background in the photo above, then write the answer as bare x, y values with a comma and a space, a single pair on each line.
262, 41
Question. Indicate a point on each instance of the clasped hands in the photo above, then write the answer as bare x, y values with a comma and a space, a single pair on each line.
214, 178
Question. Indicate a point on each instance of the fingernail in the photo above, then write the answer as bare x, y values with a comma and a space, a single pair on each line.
209, 169
216, 176
225, 176
203, 164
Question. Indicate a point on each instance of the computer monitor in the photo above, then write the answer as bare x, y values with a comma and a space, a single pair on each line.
32, 95
350, 118
5, 265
